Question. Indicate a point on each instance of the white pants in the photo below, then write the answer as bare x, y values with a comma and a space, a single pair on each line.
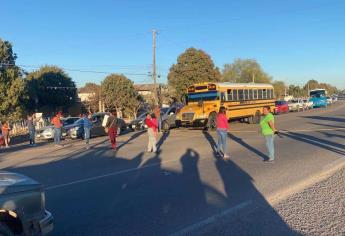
152, 140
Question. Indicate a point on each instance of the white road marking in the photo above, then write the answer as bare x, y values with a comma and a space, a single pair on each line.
211, 219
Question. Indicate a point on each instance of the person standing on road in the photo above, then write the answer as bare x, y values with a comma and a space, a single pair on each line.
56, 121
87, 128
152, 131
32, 130
5, 129
222, 132
157, 112
268, 130
111, 125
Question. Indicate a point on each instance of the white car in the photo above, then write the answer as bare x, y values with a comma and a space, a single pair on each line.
296, 105
329, 100
307, 104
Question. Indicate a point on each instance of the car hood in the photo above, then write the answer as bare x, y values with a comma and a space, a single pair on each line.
67, 127
46, 127
12, 183
136, 121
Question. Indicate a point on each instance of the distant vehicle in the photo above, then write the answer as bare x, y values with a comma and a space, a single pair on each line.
242, 100
47, 132
329, 100
281, 107
335, 98
138, 123
76, 130
318, 97
308, 104
296, 105
22, 206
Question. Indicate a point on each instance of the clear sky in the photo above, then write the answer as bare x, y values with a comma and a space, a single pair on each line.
293, 40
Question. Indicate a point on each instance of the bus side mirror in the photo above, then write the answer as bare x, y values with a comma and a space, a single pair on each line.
186, 99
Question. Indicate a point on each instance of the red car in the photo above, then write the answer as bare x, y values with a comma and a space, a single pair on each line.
281, 107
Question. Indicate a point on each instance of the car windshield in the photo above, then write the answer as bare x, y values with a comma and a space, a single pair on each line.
79, 121
205, 96
280, 102
70, 121
294, 101
164, 110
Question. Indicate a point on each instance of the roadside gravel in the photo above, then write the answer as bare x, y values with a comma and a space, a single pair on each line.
317, 210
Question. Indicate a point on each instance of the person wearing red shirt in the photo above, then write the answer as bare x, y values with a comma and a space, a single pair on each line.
152, 131
56, 121
222, 132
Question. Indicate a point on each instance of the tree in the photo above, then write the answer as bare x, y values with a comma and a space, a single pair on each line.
117, 90
50, 88
12, 86
244, 71
296, 91
94, 91
279, 88
311, 84
134, 104
193, 66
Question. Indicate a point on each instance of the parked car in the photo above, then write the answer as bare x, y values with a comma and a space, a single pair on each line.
329, 100
22, 206
47, 132
76, 130
296, 105
281, 107
168, 116
138, 123
308, 104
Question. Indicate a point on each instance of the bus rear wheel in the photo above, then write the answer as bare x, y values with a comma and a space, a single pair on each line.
256, 118
212, 123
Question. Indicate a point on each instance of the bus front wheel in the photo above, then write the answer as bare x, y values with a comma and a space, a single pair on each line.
212, 123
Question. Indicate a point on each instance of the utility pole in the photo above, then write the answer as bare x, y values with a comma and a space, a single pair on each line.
154, 32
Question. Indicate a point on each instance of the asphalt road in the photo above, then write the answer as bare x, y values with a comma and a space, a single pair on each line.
184, 186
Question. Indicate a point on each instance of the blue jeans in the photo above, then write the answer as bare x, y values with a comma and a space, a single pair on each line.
87, 135
57, 135
32, 136
270, 145
222, 141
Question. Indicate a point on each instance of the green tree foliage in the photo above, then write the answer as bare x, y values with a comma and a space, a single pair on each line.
193, 66
279, 89
12, 86
50, 88
314, 84
94, 97
243, 71
296, 91
118, 92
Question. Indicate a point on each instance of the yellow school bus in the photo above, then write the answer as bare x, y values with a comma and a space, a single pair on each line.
241, 100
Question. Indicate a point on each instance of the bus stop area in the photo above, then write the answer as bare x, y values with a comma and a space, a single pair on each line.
185, 189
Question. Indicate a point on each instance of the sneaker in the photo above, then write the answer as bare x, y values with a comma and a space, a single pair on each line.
269, 161
226, 157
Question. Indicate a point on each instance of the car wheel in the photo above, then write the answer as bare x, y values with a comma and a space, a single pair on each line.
165, 126
5, 230
212, 123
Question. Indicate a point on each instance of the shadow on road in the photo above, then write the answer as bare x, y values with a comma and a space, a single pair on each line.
134, 136
318, 142
328, 125
336, 119
162, 139
96, 193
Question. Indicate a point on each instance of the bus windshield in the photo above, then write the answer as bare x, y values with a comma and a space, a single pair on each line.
317, 93
205, 96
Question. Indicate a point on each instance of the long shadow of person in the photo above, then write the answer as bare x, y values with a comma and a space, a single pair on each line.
134, 136
162, 139
258, 217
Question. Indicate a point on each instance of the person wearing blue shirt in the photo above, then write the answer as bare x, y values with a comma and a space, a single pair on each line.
87, 128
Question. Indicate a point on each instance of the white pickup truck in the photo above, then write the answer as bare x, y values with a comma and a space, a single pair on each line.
296, 105
307, 104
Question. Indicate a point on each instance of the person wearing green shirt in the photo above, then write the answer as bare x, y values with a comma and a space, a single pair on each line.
268, 130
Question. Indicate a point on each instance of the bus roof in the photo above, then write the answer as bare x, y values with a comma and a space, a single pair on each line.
317, 90
247, 85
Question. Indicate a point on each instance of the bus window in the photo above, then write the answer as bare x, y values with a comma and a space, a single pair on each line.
250, 94
240, 94
255, 93
264, 93
235, 98
246, 95
230, 98
272, 93
222, 97
259, 93
268, 93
